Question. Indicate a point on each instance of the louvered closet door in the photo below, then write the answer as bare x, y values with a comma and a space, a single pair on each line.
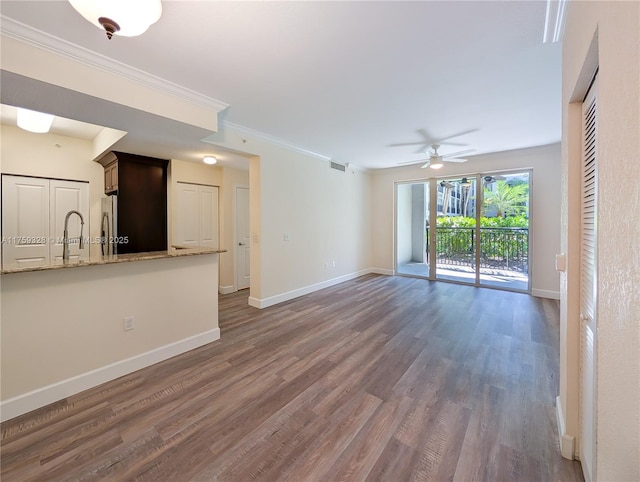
588, 255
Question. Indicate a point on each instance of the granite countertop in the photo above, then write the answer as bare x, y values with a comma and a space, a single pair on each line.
173, 252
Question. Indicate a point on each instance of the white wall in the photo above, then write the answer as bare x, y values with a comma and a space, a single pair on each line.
325, 213
27, 154
72, 338
607, 35
404, 200
545, 206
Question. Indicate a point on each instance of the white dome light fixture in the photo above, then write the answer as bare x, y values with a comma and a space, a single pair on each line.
128, 18
33, 121
209, 160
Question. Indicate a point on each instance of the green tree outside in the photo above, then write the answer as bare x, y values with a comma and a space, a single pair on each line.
507, 200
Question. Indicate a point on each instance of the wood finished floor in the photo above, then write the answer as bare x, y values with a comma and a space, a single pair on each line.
379, 378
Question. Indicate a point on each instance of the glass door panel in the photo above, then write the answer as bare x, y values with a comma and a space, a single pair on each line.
412, 214
504, 231
456, 230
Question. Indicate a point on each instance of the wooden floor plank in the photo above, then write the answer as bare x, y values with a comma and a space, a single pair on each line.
378, 378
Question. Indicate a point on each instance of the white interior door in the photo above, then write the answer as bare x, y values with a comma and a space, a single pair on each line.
187, 231
25, 221
588, 256
243, 238
66, 196
208, 196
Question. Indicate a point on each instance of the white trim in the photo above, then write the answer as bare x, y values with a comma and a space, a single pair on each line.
552, 295
305, 290
272, 140
567, 442
234, 250
40, 397
225, 290
49, 43
385, 272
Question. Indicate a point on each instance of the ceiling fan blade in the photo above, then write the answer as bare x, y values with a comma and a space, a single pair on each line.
446, 143
426, 164
459, 153
407, 163
454, 159
404, 144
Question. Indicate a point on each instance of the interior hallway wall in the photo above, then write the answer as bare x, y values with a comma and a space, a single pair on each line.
605, 35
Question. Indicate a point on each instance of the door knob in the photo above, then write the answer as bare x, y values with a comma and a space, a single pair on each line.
241, 244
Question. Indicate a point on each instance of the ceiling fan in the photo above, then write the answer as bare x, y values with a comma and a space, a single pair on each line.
428, 140
436, 160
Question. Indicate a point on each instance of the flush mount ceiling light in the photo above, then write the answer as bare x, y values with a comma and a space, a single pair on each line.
120, 17
33, 121
209, 160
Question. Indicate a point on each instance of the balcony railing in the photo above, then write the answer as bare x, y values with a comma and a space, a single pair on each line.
500, 248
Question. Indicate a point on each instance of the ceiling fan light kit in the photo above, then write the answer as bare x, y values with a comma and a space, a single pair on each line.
436, 161
120, 17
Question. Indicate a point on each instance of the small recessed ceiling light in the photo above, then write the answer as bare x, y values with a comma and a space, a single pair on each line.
33, 121
209, 160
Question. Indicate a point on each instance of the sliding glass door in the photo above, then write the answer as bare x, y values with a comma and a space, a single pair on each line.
504, 231
476, 233
455, 232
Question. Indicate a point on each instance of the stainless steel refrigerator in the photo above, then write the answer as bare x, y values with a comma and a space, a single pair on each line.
109, 225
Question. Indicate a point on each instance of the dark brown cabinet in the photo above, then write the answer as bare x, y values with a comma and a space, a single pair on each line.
140, 183
111, 178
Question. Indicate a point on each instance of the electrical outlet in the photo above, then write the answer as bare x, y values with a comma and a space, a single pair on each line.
333, 264
129, 323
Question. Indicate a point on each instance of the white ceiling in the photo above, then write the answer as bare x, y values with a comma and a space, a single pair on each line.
348, 80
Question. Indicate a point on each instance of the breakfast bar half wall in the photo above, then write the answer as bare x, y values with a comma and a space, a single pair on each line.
71, 327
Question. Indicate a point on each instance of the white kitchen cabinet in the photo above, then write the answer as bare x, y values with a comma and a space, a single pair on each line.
197, 216
33, 212
66, 196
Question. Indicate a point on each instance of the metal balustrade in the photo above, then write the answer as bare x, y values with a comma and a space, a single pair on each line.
500, 248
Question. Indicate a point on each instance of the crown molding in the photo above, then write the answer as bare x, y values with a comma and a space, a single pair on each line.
286, 145
37, 38
272, 140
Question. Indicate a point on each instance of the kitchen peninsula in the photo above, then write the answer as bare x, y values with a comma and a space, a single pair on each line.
73, 325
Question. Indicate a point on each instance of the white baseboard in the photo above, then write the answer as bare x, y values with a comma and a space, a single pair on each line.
553, 295
382, 271
305, 290
567, 442
40, 397
225, 290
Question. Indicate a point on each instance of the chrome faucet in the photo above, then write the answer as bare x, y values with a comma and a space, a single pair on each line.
65, 237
